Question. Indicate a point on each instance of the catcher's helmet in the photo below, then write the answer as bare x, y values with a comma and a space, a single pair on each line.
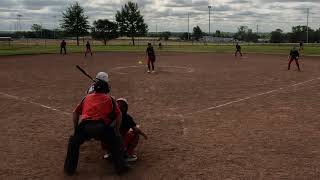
125, 103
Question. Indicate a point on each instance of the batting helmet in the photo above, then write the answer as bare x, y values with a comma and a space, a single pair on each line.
103, 77
101, 85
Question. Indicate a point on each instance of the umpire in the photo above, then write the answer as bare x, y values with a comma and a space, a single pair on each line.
100, 119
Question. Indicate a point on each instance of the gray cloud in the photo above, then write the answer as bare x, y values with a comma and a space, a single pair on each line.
7, 3
171, 15
40, 4
178, 3
288, 1
215, 8
240, 1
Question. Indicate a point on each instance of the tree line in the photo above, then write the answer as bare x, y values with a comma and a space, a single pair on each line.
243, 34
129, 22
298, 34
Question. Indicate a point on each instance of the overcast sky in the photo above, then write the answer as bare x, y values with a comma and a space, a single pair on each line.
171, 15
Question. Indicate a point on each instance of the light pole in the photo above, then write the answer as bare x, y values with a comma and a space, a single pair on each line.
209, 7
188, 26
19, 22
54, 26
154, 40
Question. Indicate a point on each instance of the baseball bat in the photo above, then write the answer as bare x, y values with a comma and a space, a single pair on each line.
85, 73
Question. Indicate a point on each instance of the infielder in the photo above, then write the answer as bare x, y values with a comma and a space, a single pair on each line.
63, 45
238, 50
88, 49
294, 55
301, 47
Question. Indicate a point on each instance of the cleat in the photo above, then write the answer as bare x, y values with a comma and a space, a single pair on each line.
131, 158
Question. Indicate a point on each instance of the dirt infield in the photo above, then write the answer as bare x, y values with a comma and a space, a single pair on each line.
208, 116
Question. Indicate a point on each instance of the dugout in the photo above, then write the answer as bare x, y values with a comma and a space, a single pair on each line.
6, 39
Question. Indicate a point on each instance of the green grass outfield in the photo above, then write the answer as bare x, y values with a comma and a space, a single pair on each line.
309, 50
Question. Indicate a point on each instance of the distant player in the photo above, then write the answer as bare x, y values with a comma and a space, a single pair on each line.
294, 55
63, 45
301, 47
160, 46
88, 49
238, 50
151, 58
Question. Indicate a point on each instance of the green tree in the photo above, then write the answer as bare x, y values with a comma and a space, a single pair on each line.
130, 21
184, 36
36, 28
105, 30
165, 35
245, 34
74, 21
218, 33
299, 34
242, 33
251, 37
197, 33
317, 36
277, 36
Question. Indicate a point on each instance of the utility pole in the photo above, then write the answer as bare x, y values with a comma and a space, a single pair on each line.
41, 31
257, 28
16, 25
209, 7
188, 26
307, 25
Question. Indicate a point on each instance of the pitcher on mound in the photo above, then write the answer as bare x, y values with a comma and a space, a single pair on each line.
151, 58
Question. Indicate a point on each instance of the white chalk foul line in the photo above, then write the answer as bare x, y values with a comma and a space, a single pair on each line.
250, 97
34, 103
179, 115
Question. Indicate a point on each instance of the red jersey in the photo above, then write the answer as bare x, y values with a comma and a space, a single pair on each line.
97, 106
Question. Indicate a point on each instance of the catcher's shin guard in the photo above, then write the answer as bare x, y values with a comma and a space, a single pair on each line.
71, 162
